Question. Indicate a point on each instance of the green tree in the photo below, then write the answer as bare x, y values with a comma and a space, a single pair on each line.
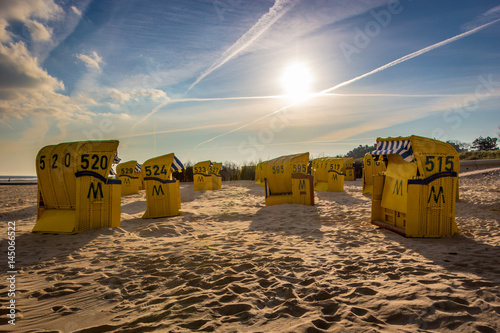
360, 151
485, 144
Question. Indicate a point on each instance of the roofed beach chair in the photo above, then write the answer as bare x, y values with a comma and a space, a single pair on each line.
348, 168
206, 176
74, 191
287, 181
130, 175
415, 196
328, 175
214, 170
370, 167
260, 173
163, 194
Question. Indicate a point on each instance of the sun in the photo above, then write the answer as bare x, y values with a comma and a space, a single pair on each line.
296, 81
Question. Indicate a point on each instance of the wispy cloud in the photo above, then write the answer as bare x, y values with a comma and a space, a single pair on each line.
76, 11
489, 15
93, 61
279, 8
38, 31
26, 12
345, 83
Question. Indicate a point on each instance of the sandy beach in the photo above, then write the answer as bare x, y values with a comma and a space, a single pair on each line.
230, 264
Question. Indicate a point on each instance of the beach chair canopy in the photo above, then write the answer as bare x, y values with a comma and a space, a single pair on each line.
279, 171
431, 156
401, 147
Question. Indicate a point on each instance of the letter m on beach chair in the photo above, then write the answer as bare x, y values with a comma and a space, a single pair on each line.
163, 196
74, 191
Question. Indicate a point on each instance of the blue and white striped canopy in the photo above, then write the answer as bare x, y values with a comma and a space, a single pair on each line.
177, 165
402, 147
116, 159
137, 167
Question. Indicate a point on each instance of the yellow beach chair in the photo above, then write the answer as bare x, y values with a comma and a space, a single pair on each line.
328, 175
348, 168
415, 196
130, 175
259, 179
370, 167
206, 176
260, 173
287, 181
163, 194
74, 191
214, 171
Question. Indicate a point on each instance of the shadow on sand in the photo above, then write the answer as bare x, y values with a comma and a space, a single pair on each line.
289, 219
457, 254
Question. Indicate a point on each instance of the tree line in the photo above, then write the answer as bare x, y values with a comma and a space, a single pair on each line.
232, 171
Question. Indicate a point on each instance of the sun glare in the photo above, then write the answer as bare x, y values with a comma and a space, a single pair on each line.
296, 81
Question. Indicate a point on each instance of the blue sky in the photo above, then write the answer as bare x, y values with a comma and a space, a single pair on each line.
204, 79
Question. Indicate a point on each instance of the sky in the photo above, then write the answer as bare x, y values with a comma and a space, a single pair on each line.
243, 81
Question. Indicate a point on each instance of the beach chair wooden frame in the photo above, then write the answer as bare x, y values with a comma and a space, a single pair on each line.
74, 191
328, 175
206, 176
287, 181
371, 167
415, 196
163, 194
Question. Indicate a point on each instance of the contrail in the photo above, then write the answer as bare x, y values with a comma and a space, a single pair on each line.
162, 104
249, 98
412, 55
345, 83
279, 8
210, 99
176, 130
3, 122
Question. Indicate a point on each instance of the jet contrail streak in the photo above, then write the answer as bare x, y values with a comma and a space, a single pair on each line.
162, 104
345, 83
411, 56
3, 122
248, 98
279, 8
176, 130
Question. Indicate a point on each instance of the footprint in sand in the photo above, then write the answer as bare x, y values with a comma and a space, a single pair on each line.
64, 310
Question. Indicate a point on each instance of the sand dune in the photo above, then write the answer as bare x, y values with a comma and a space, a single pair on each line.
230, 264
